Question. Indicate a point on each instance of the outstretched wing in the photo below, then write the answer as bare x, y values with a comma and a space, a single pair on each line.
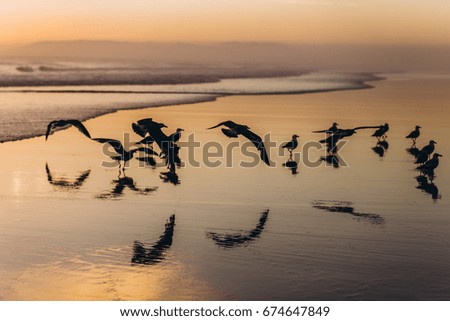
228, 123
117, 145
49, 128
366, 127
80, 127
148, 126
139, 129
258, 142
62, 123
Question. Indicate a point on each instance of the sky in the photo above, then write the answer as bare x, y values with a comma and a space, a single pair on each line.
424, 22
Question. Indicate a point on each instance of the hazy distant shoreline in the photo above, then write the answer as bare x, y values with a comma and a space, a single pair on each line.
38, 105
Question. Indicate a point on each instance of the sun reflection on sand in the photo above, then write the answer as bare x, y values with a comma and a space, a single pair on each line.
76, 279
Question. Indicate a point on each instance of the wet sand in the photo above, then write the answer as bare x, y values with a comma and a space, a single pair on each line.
61, 240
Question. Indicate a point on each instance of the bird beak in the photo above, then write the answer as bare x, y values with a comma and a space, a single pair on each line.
182, 129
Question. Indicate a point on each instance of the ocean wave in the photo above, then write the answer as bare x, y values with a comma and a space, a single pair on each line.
26, 111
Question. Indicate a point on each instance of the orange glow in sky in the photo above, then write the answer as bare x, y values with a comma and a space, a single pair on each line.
298, 21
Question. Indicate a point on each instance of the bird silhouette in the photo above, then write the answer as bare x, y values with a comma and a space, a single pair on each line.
425, 152
149, 127
122, 154
176, 136
414, 135
234, 130
330, 130
347, 208
239, 239
431, 164
64, 183
63, 123
428, 186
119, 186
332, 140
155, 253
380, 133
291, 145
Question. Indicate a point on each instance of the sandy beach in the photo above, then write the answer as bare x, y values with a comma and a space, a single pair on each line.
63, 237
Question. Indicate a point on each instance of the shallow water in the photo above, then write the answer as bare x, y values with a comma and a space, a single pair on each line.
384, 239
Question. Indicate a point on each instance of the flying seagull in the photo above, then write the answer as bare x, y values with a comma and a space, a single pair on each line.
331, 141
123, 155
65, 122
234, 130
149, 127
414, 134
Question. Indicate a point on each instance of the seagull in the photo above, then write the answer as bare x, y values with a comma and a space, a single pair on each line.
292, 144
176, 136
123, 155
149, 127
414, 134
431, 164
62, 123
331, 141
330, 130
381, 131
425, 153
234, 130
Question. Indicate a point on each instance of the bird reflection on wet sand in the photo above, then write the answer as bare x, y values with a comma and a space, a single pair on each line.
332, 160
233, 240
292, 165
426, 184
381, 148
347, 208
64, 182
119, 186
155, 253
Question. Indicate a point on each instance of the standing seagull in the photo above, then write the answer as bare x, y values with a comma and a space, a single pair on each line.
431, 164
425, 153
123, 155
62, 123
414, 134
234, 130
292, 144
176, 136
381, 132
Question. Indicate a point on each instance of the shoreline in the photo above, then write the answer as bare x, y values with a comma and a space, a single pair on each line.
204, 96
